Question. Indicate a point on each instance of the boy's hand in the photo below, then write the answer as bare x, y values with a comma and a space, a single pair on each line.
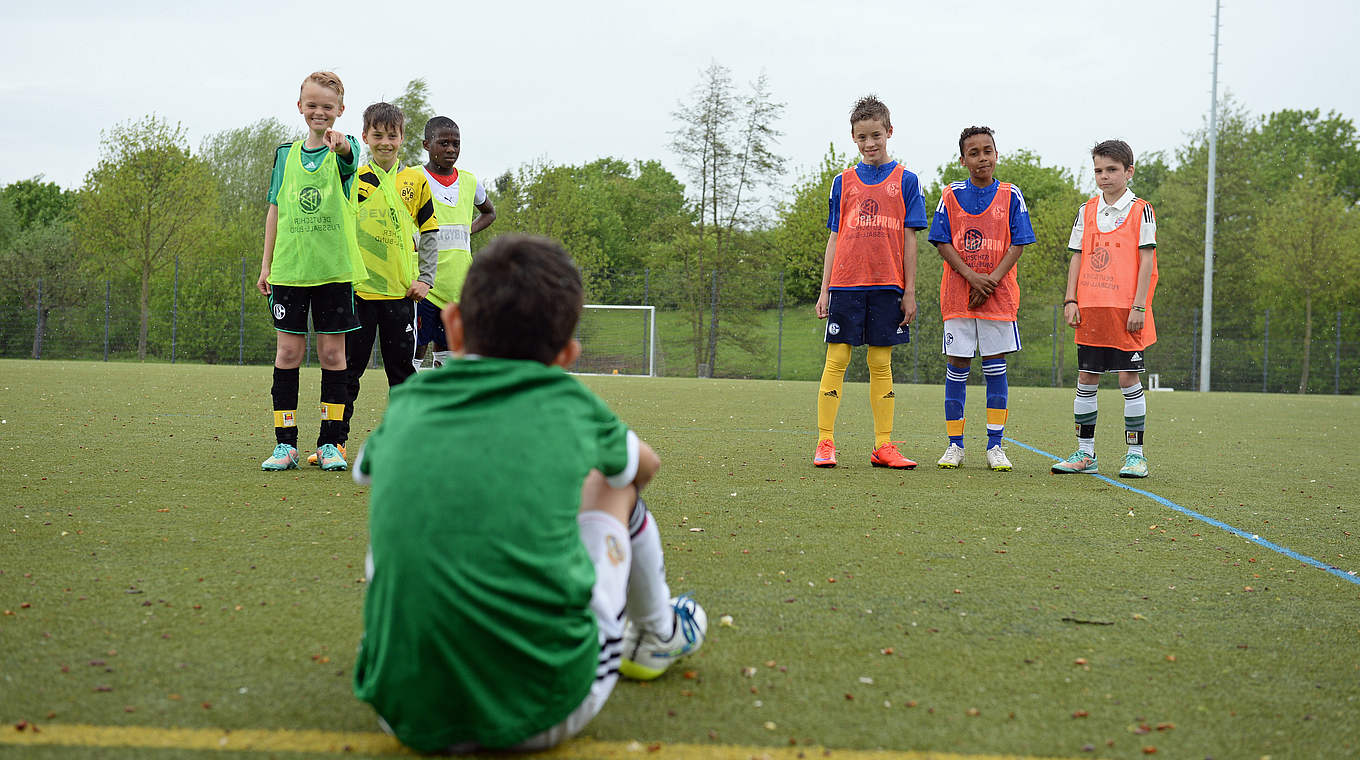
417, 291
982, 282
976, 298
1072, 314
908, 308
337, 142
263, 283
1136, 320
823, 305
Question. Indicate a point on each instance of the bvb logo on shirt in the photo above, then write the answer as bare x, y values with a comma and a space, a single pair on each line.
1100, 258
309, 200
408, 193
972, 240
868, 210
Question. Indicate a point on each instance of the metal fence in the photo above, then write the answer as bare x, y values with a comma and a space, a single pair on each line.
761, 332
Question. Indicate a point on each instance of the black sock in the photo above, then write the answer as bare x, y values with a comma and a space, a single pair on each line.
285, 393
334, 399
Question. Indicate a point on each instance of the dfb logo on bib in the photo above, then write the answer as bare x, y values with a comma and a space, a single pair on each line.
1100, 258
309, 200
972, 240
278, 311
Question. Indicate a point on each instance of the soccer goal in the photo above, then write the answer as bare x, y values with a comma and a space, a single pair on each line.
617, 340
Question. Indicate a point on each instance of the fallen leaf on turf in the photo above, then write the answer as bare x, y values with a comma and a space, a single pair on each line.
1079, 661
749, 672
691, 674
1080, 714
1149, 750
725, 622
973, 712
770, 726
866, 679
886, 650
770, 663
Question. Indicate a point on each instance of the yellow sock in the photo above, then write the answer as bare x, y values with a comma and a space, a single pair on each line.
833, 385
881, 397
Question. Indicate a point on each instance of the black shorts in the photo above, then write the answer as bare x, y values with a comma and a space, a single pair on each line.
1101, 359
332, 307
429, 327
866, 316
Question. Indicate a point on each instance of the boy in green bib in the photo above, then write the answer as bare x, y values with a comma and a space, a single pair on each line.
311, 262
463, 208
394, 206
505, 593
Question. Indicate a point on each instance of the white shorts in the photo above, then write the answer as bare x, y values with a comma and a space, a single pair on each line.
965, 336
607, 541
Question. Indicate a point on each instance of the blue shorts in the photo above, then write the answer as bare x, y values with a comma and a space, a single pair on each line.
429, 327
858, 317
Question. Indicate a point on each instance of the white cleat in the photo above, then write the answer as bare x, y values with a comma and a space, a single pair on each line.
996, 459
953, 457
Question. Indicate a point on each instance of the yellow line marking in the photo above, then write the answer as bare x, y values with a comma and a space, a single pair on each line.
359, 743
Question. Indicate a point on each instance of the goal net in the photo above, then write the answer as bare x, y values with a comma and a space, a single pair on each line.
617, 340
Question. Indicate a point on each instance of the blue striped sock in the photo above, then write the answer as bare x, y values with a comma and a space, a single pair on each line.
998, 394
955, 393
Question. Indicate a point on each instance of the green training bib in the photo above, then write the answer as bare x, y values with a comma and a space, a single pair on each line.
316, 242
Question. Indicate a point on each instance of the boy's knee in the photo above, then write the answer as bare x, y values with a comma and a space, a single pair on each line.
597, 494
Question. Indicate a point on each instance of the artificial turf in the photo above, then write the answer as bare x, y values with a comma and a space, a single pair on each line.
151, 575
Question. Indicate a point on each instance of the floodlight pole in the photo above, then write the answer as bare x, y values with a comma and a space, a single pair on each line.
1207, 332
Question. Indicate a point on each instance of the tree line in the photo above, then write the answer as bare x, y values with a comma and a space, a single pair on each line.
706, 243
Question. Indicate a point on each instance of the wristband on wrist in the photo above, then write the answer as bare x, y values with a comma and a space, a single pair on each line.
1139, 308
1070, 300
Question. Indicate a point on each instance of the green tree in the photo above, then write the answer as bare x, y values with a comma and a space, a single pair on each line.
610, 214
241, 161
800, 233
1308, 252
147, 203
38, 271
36, 203
725, 142
415, 103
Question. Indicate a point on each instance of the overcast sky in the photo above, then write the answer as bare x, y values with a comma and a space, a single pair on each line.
575, 81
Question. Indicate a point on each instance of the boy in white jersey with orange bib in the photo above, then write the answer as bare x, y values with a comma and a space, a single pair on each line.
980, 228
1110, 283
868, 290
463, 209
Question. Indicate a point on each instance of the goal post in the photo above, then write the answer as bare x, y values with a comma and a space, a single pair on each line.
617, 340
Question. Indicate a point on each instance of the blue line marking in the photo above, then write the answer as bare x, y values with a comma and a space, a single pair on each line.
1345, 575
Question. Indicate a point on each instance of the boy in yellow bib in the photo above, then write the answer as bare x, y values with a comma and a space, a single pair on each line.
311, 262
394, 205
463, 209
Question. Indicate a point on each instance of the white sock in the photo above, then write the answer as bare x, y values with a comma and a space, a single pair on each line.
649, 596
1084, 404
606, 540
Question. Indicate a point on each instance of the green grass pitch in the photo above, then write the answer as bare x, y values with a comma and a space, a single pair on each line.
151, 575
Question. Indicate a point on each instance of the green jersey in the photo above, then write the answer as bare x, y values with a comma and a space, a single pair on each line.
477, 624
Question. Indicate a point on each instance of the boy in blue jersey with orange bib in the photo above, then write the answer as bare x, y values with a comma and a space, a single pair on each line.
868, 290
311, 262
980, 228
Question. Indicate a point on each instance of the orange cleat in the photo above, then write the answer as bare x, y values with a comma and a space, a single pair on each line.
887, 455
826, 454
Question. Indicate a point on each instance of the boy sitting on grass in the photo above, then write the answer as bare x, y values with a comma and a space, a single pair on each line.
507, 539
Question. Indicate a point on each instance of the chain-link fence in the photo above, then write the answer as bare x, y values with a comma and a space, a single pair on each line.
219, 317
